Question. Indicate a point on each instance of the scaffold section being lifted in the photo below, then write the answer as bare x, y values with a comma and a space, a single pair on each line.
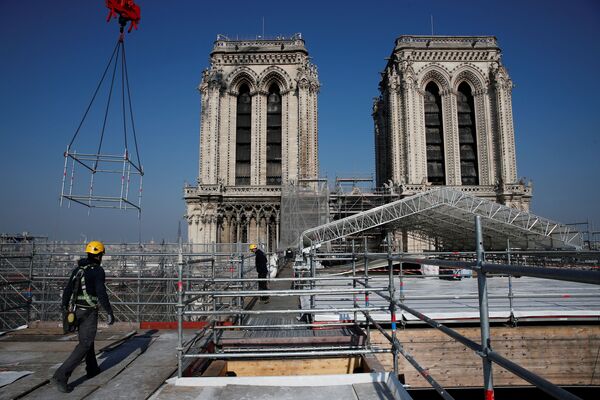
103, 191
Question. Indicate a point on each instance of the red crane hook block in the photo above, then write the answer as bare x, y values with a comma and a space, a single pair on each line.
127, 11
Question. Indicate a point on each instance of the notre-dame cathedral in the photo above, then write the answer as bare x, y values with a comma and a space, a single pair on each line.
258, 131
443, 117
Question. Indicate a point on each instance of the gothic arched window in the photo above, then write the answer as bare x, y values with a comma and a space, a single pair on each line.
434, 135
274, 136
242, 136
467, 135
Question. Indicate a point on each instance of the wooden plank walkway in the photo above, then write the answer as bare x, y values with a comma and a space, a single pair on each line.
278, 337
133, 366
41, 351
145, 374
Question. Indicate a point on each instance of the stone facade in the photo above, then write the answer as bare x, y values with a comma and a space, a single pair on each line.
238, 196
444, 117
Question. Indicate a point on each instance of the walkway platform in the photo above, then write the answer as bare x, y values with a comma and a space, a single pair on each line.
382, 386
134, 364
288, 337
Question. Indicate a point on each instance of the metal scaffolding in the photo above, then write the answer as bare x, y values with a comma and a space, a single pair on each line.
446, 215
360, 285
140, 279
172, 282
99, 190
304, 205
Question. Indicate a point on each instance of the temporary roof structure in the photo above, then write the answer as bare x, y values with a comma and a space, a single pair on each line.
448, 215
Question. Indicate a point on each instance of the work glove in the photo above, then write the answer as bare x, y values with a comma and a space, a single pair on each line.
111, 319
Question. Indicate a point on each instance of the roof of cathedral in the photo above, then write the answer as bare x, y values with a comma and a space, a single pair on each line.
224, 44
445, 42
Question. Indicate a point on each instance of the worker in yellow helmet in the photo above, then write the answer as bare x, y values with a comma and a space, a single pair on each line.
84, 291
261, 269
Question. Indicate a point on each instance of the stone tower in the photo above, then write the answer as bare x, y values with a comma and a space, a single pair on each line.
444, 117
258, 132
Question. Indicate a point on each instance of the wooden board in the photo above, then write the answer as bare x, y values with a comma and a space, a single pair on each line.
216, 368
145, 374
564, 355
50, 356
325, 366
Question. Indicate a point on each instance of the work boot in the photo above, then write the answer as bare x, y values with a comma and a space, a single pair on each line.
61, 386
92, 373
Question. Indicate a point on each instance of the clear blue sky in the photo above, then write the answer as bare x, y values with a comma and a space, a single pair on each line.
52, 54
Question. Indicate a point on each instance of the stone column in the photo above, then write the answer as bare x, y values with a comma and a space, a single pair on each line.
261, 151
259, 235
252, 234
210, 133
285, 157
400, 154
403, 157
230, 229
277, 230
226, 228
503, 89
228, 138
192, 229
256, 136
204, 126
270, 245
484, 155
393, 131
451, 139
313, 145
416, 150
303, 88
213, 229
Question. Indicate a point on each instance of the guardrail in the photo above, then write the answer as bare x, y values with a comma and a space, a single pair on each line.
241, 289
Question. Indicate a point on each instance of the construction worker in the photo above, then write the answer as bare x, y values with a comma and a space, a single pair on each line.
261, 269
81, 296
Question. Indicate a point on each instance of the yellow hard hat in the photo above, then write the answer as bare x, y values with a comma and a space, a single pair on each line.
253, 247
94, 247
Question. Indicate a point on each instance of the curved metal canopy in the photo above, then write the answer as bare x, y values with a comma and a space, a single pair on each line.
448, 215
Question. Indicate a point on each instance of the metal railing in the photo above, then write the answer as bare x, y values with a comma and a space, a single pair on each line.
141, 281
158, 282
361, 285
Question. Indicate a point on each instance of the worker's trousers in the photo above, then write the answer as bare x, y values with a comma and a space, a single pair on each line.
262, 285
87, 323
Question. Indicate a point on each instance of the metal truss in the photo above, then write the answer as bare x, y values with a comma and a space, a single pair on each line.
447, 215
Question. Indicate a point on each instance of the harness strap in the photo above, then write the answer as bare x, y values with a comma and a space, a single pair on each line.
92, 301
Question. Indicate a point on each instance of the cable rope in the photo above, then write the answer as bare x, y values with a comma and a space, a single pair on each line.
94, 96
123, 98
137, 152
112, 83
98, 158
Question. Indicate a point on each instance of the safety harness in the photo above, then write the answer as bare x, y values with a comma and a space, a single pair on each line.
79, 289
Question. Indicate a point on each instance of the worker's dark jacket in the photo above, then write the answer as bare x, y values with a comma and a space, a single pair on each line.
94, 282
261, 262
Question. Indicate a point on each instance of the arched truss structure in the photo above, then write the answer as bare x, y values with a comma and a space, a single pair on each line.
448, 215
